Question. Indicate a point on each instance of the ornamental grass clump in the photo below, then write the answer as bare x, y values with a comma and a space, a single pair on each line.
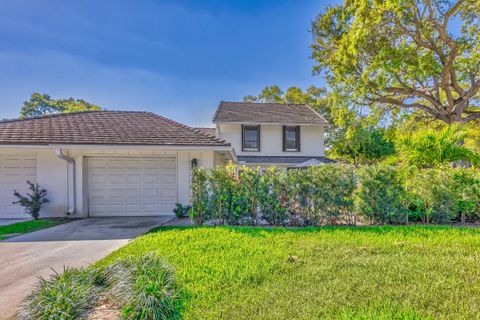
144, 286
68, 295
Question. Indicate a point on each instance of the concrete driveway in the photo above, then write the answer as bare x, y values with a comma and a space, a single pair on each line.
76, 244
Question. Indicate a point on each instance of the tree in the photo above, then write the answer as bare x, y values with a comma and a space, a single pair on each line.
361, 145
435, 148
420, 56
43, 104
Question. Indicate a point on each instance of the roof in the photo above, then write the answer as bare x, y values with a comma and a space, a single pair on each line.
253, 112
280, 159
310, 163
209, 131
103, 128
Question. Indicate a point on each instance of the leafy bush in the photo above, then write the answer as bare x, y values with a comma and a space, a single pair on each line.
334, 193
446, 194
69, 295
273, 196
144, 286
180, 210
32, 202
380, 195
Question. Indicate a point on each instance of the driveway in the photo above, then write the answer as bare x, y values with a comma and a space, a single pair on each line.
76, 244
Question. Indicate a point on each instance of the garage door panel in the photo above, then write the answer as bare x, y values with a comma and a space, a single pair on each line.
131, 186
15, 171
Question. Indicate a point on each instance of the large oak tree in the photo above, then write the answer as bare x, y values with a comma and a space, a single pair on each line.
422, 56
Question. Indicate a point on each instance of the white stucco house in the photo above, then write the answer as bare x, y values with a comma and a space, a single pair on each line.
265, 134
121, 163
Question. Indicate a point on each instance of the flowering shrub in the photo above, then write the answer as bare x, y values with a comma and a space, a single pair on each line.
332, 194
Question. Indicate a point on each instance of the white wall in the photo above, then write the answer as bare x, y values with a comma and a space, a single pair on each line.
52, 173
271, 140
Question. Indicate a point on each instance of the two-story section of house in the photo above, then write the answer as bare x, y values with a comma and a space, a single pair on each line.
266, 134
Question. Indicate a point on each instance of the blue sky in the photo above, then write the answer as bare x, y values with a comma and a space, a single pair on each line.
175, 58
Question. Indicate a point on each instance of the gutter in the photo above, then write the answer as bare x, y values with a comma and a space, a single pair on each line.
71, 200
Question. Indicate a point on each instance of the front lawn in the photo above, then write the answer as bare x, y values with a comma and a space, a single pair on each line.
26, 226
411, 272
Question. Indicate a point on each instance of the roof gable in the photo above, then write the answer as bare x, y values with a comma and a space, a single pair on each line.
103, 128
252, 112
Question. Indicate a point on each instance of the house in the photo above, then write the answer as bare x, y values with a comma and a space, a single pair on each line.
265, 134
121, 163
104, 163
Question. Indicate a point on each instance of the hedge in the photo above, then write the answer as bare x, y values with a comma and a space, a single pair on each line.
334, 194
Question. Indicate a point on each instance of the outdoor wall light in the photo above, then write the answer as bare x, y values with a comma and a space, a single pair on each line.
194, 163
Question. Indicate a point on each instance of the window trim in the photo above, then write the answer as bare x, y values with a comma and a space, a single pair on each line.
297, 139
258, 138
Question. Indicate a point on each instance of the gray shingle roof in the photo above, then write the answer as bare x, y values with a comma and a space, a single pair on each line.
280, 159
103, 127
252, 112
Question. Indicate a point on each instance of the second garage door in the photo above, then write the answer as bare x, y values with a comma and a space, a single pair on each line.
131, 186
15, 170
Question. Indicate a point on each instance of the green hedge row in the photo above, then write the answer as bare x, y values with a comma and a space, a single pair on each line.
334, 194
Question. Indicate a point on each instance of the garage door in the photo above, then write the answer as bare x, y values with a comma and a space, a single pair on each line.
119, 186
14, 172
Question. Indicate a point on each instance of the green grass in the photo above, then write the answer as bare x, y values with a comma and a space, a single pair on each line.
26, 226
334, 273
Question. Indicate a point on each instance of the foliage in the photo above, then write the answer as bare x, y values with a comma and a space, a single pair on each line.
297, 197
26, 226
333, 194
43, 104
435, 148
380, 195
412, 272
181, 211
362, 145
144, 286
441, 195
32, 202
402, 56
199, 195
69, 295
273, 196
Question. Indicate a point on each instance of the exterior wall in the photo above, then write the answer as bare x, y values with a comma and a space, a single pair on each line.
271, 140
53, 174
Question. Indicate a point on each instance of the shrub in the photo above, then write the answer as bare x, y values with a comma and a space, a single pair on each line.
181, 210
273, 196
69, 295
380, 196
334, 193
199, 195
144, 286
33, 201
446, 194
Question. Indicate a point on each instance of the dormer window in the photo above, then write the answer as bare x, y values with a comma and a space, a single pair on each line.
251, 138
291, 138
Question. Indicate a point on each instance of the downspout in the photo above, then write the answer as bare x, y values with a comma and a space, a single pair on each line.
71, 200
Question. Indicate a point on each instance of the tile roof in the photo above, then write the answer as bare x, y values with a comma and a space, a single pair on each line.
103, 127
209, 131
252, 112
280, 159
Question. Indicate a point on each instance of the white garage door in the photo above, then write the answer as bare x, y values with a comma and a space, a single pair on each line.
121, 186
15, 170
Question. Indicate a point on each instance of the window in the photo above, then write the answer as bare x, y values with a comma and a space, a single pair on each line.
251, 138
291, 138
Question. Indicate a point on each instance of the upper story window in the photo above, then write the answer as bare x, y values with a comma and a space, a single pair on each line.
251, 138
291, 138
